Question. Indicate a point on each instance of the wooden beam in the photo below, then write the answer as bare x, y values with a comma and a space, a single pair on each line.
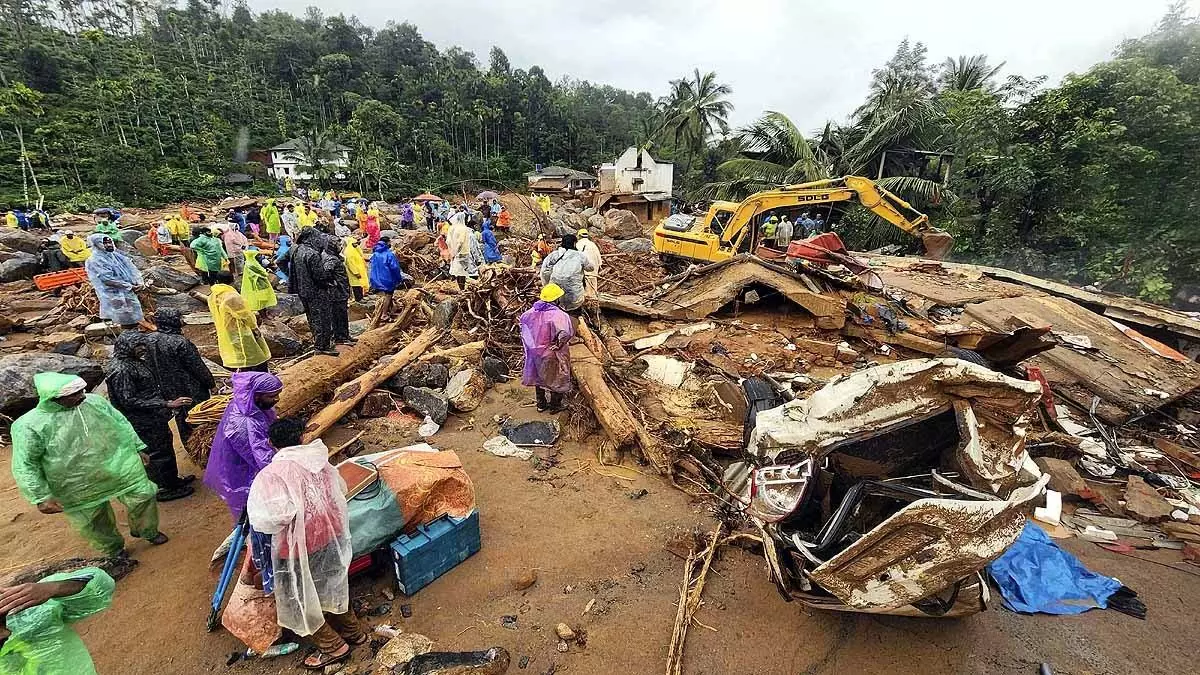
349, 394
610, 412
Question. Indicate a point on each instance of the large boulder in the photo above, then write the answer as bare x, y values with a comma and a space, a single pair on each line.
639, 245
595, 224
171, 277
427, 402
130, 236
286, 305
144, 246
443, 313
19, 240
18, 396
281, 340
183, 302
20, 266
466, 389
427, 375
390, 234
622, 224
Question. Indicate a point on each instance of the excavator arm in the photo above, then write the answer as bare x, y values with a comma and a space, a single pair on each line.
893, 209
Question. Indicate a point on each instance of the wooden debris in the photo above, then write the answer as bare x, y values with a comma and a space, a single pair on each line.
690, 597
349, 394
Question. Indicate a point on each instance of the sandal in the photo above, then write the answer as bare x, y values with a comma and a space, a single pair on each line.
364, 639
326, 659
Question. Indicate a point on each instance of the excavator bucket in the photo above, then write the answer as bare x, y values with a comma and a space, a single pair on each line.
938, 243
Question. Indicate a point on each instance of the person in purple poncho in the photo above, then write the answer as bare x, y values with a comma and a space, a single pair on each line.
241, 448
545, 331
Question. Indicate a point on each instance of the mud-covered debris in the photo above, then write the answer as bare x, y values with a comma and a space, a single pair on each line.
1143, 502
428, 402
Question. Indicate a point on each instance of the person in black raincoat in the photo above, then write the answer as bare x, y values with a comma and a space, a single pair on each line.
134, 391
341, 290
177, 363
311, 276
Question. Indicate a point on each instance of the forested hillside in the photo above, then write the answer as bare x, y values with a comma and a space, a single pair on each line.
140, 102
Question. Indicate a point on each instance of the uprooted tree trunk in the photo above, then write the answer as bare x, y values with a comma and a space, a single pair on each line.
349, 394
314, 377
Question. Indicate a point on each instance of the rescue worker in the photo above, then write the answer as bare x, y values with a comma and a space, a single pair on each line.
256, 282
565, 267
241, 345
180, 230
290, 221
38, 617
769, 227
73, 453
50, 257
210, 256
309, 278
458, 248
10, 220
541, 249
356, 268
297, 501
272, 221
491, 248
340, 293
807, 226
242, 445
115, 281
74, 248
546, 330
178, 366
134, 391
386, 275
591, 251
783, 233
504, 220
235, 242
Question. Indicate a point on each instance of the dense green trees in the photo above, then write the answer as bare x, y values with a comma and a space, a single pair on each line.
147, 101
1091, 181
141, 101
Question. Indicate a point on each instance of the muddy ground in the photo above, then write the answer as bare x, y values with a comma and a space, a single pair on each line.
588, 538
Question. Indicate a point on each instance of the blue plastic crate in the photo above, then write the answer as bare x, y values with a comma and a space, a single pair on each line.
433, 550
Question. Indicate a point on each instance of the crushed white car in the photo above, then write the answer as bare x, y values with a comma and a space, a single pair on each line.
889, 490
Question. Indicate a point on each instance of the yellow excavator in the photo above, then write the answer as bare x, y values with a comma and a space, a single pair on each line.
730, 228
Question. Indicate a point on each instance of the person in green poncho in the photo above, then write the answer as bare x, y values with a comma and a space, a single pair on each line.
256, 282
210, 255
74, 453
37, 638
271, 219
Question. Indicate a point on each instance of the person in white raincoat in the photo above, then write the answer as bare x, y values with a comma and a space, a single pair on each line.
299, 500
458, 241
589, 249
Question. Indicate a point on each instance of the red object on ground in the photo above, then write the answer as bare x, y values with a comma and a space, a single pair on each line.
1034, 374
360, 563
52, 280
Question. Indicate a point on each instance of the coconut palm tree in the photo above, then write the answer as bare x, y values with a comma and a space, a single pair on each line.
774, 152
696, 110
317, 154
967, 73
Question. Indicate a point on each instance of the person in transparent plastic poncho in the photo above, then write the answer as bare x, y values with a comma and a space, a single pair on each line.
73, 453
299, 499
37, 638
115, 280
239, 341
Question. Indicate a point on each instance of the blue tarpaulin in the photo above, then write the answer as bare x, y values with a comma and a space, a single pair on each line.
1035, 575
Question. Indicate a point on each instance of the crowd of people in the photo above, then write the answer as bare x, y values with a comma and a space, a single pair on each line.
77, 452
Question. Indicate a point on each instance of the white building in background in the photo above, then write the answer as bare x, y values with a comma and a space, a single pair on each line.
636, 182
286, 159
636, 172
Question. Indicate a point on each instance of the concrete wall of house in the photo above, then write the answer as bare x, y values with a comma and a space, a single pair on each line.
285, 164
623, 174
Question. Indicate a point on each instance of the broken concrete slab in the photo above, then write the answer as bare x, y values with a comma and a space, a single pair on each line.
1063, 476
1143, 503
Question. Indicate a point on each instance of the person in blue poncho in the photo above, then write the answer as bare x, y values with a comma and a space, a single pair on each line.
491, 249
385, 274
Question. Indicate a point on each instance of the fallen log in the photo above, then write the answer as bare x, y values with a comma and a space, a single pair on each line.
610, 411
469, 351
314, 377
349, 394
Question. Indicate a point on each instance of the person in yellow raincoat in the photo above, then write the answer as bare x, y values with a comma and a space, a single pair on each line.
306, 217
180, 229
256, 283
356, 268
241, 345
75, 248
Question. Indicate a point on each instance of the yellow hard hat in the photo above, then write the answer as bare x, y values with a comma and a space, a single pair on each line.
582, 232
551, 292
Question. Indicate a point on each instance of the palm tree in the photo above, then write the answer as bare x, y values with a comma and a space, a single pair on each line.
968, 73
774, 153
317, 154
696, 110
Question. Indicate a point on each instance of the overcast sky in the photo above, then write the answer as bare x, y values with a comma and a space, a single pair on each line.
810, 59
